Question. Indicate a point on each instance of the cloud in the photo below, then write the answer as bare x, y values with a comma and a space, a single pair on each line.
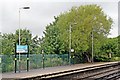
42, 13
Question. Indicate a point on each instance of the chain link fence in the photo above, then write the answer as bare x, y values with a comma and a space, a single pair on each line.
35, 61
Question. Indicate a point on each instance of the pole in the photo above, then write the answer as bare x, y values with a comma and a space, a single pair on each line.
19, 34
92, 46
15, 59
43, 59
19, 38
28, 58
70, 45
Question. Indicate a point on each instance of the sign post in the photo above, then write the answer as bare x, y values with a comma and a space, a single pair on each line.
28, 59
21, 49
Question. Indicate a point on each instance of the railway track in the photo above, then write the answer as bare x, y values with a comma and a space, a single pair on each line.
107, 71
108, 74
102, 72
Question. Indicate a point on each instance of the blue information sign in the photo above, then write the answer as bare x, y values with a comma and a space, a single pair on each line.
22, 49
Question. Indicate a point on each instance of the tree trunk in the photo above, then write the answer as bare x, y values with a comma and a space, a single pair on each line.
88, 58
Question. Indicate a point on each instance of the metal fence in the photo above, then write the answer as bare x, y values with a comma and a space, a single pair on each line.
35, 61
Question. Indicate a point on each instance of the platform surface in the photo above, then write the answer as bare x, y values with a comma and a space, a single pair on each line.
49, 70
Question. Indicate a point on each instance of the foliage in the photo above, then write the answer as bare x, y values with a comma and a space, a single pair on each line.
10, 40
0, 43
118, 45
51, 42
36, 61
110, 46
8, 44
115, 59
108, 50
84, 20
7, 63
35, 45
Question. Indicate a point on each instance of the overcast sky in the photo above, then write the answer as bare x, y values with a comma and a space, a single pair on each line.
42, 13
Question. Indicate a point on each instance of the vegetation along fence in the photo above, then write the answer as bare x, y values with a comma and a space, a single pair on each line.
35, 60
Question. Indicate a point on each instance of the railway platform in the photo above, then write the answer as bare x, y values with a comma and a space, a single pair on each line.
24, 75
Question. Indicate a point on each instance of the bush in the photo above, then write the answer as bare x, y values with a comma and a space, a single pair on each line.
101, 59
115, 59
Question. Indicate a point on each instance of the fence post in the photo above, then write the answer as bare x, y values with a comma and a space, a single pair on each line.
43, 59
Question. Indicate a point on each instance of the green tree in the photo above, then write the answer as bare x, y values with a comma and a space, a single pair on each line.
0, 43
119, 45
8, 44
84, 20
9, 40
51, 42
110, 46
108, 49
25, 36
35, 45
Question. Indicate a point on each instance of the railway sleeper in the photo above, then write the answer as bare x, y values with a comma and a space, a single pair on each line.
107, 76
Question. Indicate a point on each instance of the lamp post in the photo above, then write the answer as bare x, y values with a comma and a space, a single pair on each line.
70, 27
70, 45
19, 29
92, 47
93, 29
